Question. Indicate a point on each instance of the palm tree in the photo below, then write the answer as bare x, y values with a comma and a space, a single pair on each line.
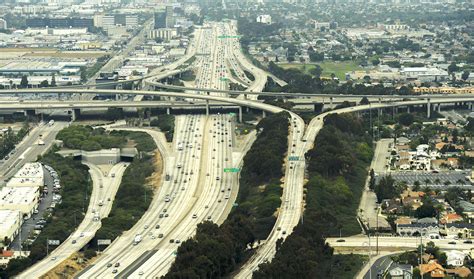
427, 181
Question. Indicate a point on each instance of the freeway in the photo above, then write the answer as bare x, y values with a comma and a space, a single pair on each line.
28, 149
104, 190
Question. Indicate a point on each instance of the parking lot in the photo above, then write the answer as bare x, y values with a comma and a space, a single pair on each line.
434, 180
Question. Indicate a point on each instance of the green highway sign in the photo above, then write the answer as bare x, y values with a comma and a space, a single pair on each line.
232, 114
231, 169
224, 79
228, 37
235, 204
293, 158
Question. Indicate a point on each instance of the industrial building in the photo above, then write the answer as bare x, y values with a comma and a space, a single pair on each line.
30, 175
10, 222
66, 22
24, 199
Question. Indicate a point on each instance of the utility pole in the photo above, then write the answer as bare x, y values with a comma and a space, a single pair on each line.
19, 234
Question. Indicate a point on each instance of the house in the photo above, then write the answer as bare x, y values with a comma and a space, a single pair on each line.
462, 230
416, 229
460, 272
467, 208
399, 271
434, 269
455, 258
451, 218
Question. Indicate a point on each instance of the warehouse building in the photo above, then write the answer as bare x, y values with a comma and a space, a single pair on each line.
10, 222
30, 175
24, 199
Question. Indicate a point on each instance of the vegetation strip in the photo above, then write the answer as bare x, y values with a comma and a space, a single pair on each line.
217, 251
337, 168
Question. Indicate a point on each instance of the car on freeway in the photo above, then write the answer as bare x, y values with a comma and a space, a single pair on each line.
452, 242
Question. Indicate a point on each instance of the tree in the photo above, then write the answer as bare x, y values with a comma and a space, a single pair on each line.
44, 83
364, 101
453, 68
316, 71
406, 119
53, 81
375, 61
24, 82
83, 74
465, 75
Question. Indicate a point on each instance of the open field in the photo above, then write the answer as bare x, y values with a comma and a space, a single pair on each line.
336, 67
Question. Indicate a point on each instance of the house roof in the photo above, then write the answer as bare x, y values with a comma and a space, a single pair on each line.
434, 268
462, 271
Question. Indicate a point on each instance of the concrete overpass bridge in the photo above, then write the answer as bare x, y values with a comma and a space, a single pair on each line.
430, 102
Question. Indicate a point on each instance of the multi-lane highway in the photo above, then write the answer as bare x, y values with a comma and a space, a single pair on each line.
102, 197
29, 149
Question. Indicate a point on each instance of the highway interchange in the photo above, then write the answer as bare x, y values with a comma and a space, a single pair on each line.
198, 188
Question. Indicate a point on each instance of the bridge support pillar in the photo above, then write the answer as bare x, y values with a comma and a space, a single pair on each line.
245, 96
330, 102
168, 111
207, 107
439, 107
30, 112
428, 108
240, 114
75, 114
264, 114
408, 109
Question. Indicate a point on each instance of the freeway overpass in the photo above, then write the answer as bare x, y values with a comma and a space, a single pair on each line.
429, 101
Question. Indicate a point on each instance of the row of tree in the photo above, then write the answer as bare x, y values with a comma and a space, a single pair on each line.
216, 251
10, 139
337, 168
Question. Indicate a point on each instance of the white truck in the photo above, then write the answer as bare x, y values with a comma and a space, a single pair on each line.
180, 146
96, 216
137, 239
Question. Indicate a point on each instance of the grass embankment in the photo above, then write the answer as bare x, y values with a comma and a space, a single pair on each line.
86, 138
337, 169
215, 251
166, 124
75, 192
338, 68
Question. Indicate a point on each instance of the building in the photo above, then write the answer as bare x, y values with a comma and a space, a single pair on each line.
455, 258
3, 24
102, 157
164, 33
427, 227
66, 22
434, 269
24, 199
30, 175
461, 230
164, 19
110, 20
319, 25
424, 74
10, 222
264, 19
399, 271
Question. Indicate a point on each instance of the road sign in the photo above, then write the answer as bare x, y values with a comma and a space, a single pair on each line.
224, 79
104, 241
231, 169
228, 37
53, 242
235, 204
293, 158
231, 114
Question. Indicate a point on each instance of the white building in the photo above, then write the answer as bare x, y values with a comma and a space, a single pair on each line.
424, 74
10, 222
265, 19
164, 33
24, 199
3, 24
30, 175
319, 25
455, 258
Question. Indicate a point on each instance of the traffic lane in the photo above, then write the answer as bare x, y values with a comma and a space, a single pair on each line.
379, 266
